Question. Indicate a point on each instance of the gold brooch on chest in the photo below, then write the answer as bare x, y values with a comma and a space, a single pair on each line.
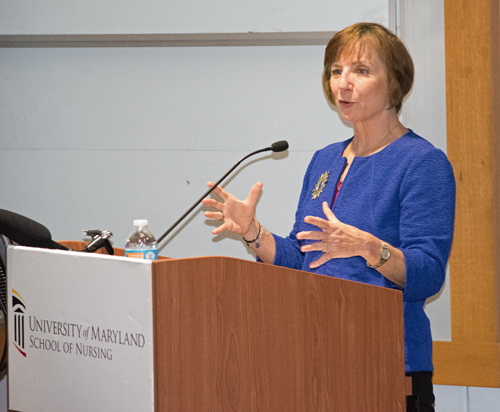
318, 189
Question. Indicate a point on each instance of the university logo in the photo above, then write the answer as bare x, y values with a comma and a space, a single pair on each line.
19, 309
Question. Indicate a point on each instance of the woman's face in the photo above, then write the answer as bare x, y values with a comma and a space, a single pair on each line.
360, 88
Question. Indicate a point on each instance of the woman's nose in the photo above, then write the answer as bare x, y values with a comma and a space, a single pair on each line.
344, 81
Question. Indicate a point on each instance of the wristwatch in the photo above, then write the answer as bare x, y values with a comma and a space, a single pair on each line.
385, 254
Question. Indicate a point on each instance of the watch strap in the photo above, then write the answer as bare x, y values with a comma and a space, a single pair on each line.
383, 251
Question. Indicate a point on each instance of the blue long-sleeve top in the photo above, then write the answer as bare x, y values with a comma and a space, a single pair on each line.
405, 196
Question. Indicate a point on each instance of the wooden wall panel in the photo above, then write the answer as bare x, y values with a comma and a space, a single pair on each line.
472, 61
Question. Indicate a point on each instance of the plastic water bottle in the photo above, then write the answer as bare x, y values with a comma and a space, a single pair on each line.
141, 243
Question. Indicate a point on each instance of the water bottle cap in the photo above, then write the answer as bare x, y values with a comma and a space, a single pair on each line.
140, 222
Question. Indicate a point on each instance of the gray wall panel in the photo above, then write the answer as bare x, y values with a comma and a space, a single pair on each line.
187, 16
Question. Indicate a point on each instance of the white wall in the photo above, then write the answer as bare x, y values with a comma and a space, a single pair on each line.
98, 137
422, 30
187, 16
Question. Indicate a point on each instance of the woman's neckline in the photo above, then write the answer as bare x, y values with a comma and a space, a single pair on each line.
377, 151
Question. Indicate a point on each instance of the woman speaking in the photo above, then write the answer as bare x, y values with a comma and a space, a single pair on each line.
377, 208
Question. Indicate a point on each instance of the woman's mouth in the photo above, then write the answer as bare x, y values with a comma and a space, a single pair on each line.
345, 104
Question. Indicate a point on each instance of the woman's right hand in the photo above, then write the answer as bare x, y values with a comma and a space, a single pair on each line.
236, 215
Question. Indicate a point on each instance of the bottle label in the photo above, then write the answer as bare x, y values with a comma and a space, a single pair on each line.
149, 254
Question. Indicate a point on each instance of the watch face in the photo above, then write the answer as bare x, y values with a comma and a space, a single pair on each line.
386, 253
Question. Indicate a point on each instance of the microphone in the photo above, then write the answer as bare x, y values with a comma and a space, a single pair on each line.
100, 238
280, 146
26, 232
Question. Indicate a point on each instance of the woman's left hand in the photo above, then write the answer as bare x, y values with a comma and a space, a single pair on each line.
335, 239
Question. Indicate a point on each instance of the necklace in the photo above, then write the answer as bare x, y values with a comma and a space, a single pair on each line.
384, 142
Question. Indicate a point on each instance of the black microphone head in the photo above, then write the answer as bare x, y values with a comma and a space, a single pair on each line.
280, 146
26, 232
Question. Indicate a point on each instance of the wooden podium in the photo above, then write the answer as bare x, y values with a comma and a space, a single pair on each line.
234, 335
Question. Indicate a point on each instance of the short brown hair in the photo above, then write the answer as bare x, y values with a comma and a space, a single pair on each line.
371, 37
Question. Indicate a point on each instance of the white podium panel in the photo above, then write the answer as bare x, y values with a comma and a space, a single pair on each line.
80, 332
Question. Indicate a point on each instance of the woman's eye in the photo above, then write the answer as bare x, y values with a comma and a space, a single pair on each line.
336, 72
362, 71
